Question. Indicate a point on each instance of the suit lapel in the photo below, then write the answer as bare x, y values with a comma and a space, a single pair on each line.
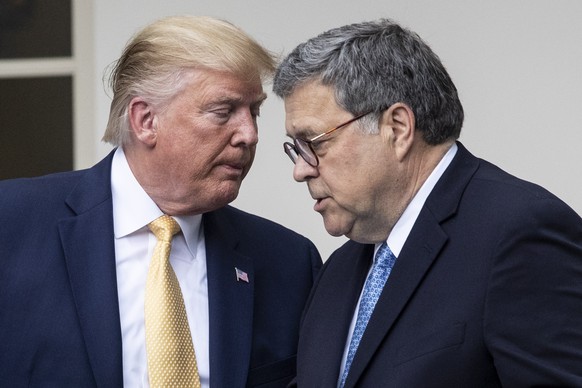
329, 313
413, 263
421, 249
87, 240
230, 303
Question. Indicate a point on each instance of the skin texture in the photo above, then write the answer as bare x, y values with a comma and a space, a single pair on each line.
364, 181
191, 157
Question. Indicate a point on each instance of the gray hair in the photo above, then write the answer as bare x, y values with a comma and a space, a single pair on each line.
373, 65
156, 63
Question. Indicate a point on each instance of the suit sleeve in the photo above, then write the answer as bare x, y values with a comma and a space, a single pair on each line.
533, 312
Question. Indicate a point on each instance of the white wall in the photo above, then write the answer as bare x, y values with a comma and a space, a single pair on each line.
516, 64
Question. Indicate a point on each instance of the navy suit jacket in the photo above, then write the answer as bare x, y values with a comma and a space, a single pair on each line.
59, 313
486, 292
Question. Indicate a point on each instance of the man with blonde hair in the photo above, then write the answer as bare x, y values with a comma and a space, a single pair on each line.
136, 272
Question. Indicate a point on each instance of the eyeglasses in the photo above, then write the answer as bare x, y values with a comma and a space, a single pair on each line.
304, 147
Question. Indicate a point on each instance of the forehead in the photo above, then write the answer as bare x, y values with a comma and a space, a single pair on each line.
214, 86
311, 109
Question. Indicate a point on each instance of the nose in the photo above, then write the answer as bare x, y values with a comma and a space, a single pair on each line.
303, 171
247, 132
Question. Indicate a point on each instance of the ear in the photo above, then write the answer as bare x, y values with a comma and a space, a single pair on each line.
397, 126
143, 121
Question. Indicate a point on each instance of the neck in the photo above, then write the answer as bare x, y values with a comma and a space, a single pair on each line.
419, 164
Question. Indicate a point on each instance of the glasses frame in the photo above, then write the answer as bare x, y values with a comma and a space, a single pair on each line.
304, 147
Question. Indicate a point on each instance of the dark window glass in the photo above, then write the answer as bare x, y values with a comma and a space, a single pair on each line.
35, 28
36, 126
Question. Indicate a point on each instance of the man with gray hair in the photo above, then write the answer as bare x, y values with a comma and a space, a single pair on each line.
136, 272
456, 274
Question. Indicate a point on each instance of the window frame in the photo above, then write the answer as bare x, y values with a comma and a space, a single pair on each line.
81, 69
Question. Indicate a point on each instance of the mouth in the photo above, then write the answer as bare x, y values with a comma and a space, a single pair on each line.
234, 169
235, 166
319, 204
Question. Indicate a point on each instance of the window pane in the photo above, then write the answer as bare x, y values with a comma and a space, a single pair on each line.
36, 126
35, 28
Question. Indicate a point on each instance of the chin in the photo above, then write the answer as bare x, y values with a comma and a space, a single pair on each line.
334, 229
211, 201
226, 196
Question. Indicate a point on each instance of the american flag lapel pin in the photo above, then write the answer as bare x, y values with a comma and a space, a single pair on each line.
241, 276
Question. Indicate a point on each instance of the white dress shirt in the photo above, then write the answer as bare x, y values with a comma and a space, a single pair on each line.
401, 230
133, 210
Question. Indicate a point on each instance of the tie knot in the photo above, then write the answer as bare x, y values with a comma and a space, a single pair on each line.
164, 228
384, 256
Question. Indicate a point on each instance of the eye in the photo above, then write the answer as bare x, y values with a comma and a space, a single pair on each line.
222, 113
256, 110
317, 145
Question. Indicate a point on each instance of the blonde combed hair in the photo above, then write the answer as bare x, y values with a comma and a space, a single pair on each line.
154, 63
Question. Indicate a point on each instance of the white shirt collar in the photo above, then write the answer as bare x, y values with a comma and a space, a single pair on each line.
133, 209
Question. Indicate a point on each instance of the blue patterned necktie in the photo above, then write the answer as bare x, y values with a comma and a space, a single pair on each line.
383, 264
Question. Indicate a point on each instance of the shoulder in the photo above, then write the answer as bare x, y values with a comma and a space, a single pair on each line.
475, 185
275, 249
501, 190
259, 237
37, 192
254, 226
49, 193
32, 207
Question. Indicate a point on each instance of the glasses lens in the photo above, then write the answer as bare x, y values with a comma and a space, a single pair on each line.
290, 151
306, 152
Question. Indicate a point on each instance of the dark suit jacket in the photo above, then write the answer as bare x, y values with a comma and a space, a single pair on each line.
486, 292
59, 318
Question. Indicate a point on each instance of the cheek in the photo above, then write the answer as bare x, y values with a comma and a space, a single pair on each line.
252, 151
352, 193
199, 148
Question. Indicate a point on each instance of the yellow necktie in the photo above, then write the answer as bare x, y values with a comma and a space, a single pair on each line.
170, 353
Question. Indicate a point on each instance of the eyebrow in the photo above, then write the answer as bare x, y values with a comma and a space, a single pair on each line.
239, 100
304, 134
261, 98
